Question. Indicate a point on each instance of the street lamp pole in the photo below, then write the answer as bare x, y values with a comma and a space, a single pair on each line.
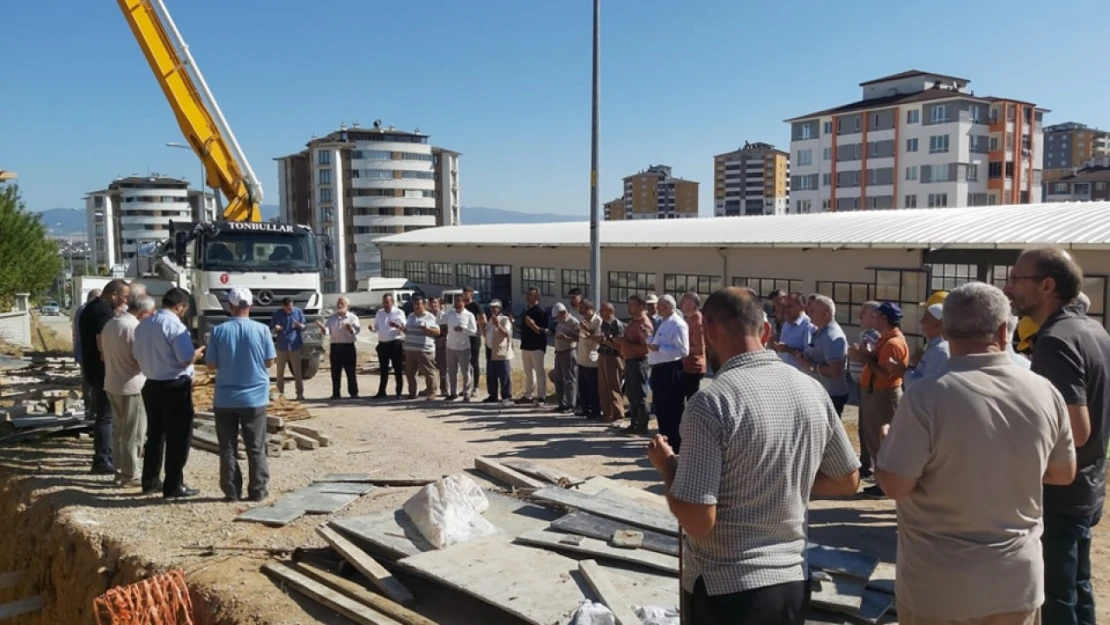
203, 202
595, 212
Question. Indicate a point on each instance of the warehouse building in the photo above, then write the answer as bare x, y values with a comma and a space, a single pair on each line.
894, 255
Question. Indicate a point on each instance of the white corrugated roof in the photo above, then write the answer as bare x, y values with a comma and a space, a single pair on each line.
1070, 225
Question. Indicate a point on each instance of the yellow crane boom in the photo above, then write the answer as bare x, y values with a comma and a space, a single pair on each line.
201, 121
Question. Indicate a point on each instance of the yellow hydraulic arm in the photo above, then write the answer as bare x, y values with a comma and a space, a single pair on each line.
225, 166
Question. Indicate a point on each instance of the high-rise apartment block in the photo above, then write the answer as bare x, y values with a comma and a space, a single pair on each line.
655, 193
358, 185
1069, 146
614, 210
753, 180
916, 140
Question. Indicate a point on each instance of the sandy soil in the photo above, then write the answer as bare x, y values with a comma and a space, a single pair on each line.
395, 439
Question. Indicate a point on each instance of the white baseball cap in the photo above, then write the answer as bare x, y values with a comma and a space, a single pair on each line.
937, 311
652, 298
240, 296
495, 303
558, 308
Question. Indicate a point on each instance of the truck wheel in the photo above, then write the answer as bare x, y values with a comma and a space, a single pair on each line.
309, 367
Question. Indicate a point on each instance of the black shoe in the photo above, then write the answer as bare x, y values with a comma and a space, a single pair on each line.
451, 397
183, 492
380, 395
102, 469
231, 498
633, 430
865, 473
355, 396
153, 488
523, 401
256, 497
563, 409
334, 397
874, 492
490, 400
400, 394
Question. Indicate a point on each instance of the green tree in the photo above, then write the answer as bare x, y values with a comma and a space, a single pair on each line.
29, 260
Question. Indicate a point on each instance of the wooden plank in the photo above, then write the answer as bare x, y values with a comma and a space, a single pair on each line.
274, 422
846, 561
275, 515
375, 572
324, 439
548, 474
11, 578
611, 507
303, 442
504, 474
360, 593
599, 484
601, 549
23, 606
603, 588
357, 612
586, 524
347, 488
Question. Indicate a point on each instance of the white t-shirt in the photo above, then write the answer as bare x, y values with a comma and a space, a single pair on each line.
383, 324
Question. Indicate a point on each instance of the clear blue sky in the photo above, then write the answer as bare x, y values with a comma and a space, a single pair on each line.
507, 82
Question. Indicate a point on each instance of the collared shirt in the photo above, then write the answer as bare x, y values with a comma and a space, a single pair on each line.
586, 352
122, 375
77, 332
461, 325
500, 343
342, 329
890, 345
164, 347
978, 440
829, 345
383, 321
96, 315
566, 327
1018, 359
636, 336
289, 337
673, 338
532, 340
797, 334
855, 369
239, 348
416, 340
610, 329
933, 362
1073, 352
695, 362
753, 442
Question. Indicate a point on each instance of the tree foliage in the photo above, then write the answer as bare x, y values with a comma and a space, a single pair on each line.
29, 260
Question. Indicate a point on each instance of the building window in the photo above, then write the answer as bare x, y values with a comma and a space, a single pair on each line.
805, 157
907, 288
393, 269
763, 286
826, 180
946, 277
803, 206
828, 128
417, 271
938, 200
441, 274
624, 284
827, 154
913, 116
911, 172
1095, 289
973, 172
577, 279
323, 176
325, 195
911, 145
678, 284
938, 144
806, 132
938, 173
940, 114
542, 278
849, 298
323, 157
474, 276
1000, 275
994, 169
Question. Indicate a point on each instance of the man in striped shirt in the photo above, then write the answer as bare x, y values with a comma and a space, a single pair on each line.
421, 332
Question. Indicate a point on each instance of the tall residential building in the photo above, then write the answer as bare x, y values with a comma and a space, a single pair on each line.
614, 210
137, 210
916, 140
655, 193
1069, 145
752, 180
358, 185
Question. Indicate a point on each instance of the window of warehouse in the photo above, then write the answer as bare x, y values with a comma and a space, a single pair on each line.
946, 277
441, 274
540, 277
849, 298
417, 271
907, 288
624, 284
474, 276
393, 269
576, 279
679, 283
764, 286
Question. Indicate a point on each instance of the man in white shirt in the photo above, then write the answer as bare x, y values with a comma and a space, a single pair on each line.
461, 327
123, 382
343, 328
666, 349
390, 325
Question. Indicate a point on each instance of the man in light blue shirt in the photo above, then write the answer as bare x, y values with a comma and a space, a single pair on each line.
288, 323
932, 360
797, 330
1011, 328
825, 356
240, 353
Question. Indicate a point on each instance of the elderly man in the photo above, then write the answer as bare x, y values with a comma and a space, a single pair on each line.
797, 330
825, 356
634, 350
610, 365
462, 326
421, 333
932, 359
1073, 352
742, 485
123, 382
342, 327
499, 343
389, 322
693, 365
240, 352
586, 357
651, 307
666, 349
566, 367
868, 336
965, 459
93, 318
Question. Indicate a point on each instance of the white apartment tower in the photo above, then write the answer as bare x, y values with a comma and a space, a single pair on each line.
916, 140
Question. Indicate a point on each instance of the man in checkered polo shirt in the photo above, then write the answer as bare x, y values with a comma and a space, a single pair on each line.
776, 431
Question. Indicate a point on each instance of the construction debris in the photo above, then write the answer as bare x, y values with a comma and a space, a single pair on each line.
282, 436
288, 410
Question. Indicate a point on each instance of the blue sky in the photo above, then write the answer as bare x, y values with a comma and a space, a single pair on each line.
507, 82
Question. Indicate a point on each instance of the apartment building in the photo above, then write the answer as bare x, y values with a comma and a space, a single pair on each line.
916, 140
614, 210
358, 185
655, 193
1069, 145
137, 210
752, 180
1088, 183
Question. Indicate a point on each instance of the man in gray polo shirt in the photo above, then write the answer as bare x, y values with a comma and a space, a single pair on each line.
757, 443
827, 352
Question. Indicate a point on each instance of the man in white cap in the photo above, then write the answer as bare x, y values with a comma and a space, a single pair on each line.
566, 367
666, 349
931, 360
499, 343
240, 352
651, 304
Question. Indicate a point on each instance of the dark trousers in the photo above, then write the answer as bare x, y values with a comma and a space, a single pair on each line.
498, 380
636, 371
589, 398
252, 422
99, 412
389, 357
691, 383
342, 358
475, 361
782, 604
565, 377
839, 402
667, 391
1068, 597
169, 429
441, 364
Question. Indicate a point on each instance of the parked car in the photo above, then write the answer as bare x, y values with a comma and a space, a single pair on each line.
51, 309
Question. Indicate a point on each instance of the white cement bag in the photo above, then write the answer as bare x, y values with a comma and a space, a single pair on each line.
657, 615
449, 511
590, 613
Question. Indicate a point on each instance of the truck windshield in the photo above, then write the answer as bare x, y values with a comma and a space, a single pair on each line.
259, 251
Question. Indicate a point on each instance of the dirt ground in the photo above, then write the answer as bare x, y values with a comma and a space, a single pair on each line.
393, 439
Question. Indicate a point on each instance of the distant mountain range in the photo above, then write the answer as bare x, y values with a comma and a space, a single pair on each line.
70, 222
479, 215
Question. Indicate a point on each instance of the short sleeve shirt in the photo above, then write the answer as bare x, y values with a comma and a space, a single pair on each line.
890, 345
240, 347
829, 345
96, 315
530, 340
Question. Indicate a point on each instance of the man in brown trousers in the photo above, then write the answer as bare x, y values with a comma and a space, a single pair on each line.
611, 365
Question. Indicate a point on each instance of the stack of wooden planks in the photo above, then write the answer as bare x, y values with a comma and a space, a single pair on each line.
289, 410
283, 436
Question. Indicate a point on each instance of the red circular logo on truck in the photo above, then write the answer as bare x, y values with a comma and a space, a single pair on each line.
224, 278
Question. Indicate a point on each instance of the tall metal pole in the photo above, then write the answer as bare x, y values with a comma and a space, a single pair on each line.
595, 212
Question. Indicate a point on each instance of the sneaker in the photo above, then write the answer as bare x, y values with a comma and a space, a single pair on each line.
103, 469
507, 402
874, 492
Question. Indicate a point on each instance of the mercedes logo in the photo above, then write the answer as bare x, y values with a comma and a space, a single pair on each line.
265, 297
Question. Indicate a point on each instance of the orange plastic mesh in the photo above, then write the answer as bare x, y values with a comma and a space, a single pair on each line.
160, 600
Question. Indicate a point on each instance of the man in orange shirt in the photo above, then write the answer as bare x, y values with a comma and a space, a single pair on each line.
884, 363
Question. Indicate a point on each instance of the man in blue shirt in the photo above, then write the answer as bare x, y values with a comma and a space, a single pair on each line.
797, 330
932, 359
288, 323
240, 353
825, 357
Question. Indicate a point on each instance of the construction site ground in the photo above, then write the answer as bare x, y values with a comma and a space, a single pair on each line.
76, 534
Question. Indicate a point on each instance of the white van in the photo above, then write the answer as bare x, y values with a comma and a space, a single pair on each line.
368, 298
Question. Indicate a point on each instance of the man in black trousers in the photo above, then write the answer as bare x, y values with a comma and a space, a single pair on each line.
94, 316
